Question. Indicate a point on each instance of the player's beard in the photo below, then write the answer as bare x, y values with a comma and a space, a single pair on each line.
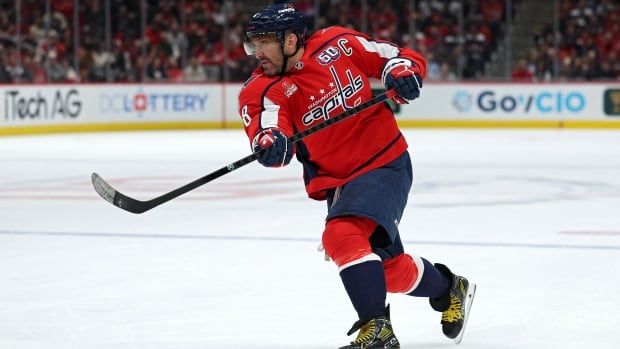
270, 68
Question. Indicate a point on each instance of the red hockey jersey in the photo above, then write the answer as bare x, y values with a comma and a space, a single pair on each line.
333, 74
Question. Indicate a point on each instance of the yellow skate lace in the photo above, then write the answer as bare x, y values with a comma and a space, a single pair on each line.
366, 334
454, 312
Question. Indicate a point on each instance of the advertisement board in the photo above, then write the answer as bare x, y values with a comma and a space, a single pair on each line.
509, 102
99, 107
31, 105
54, 104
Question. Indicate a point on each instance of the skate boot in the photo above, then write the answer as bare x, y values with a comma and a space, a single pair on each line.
455, 304
374, 333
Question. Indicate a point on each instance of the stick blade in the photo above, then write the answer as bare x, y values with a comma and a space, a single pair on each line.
111, 195
103, 188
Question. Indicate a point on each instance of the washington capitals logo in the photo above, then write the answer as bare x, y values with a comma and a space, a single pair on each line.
340, 96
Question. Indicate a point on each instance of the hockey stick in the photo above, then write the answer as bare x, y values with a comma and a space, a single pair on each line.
116, 198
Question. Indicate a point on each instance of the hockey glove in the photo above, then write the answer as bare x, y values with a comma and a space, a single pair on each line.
273, 148
404, 77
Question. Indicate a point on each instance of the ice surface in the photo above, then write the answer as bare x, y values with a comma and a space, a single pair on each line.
531, 216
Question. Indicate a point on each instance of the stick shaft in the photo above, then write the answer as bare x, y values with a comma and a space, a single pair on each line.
127, 203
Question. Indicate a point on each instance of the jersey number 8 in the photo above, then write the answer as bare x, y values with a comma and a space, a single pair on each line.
245, 117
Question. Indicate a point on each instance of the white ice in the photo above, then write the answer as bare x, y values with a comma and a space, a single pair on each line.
533, 217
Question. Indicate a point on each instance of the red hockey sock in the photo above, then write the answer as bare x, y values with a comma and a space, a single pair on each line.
346, 240
403, 273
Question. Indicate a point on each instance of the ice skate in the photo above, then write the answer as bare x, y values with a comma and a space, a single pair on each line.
374, 333
454, 305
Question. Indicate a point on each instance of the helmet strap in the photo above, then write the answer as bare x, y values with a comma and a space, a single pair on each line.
282, 36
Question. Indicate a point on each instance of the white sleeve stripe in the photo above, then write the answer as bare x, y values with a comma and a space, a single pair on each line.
384, 50
366, 258
269, 116
420, 265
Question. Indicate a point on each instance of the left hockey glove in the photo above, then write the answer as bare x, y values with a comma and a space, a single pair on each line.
273, 148
403, 76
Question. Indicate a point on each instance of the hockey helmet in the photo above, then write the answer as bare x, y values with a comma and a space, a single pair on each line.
275, 20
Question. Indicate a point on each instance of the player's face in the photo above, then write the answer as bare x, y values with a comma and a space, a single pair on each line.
268, 52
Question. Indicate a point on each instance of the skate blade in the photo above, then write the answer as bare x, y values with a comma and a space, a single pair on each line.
471, 292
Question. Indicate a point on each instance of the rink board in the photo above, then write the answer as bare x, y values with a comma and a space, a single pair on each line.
51, 108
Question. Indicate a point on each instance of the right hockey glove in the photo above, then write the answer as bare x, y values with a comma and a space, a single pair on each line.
403, 76
273, 148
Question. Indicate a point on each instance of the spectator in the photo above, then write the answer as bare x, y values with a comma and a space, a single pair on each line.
194, 72
606, 71
493, 14
5, 77
173, 72
521, 72
175, 38
433, 68
155, 70
121, 62
100, 61
18, 70
446, 73
54, 69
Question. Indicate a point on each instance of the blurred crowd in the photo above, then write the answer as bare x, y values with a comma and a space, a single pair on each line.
191, 42
457, 37
202, 40
588, 46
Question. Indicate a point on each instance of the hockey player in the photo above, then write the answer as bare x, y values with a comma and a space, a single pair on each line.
360, 166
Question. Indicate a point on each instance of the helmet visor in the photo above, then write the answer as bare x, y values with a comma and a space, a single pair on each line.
249, 47
255, 42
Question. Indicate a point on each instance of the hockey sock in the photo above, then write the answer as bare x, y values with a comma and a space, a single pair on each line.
433, 283
365, 285
346, 241
402, 273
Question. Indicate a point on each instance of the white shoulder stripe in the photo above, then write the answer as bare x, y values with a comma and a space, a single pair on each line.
269, 116
384, 50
